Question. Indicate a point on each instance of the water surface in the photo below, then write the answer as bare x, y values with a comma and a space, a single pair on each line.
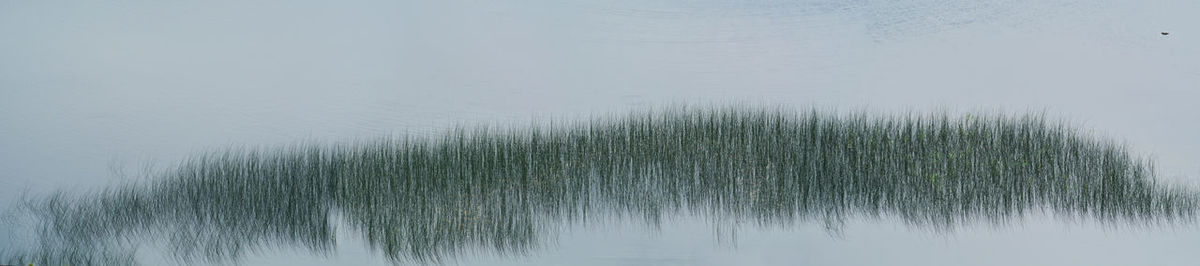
91, 94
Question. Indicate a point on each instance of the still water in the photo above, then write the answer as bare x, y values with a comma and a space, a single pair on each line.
543, 133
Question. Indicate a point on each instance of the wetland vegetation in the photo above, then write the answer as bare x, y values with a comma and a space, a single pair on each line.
506, 191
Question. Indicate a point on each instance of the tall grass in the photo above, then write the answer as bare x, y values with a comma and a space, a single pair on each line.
476, 190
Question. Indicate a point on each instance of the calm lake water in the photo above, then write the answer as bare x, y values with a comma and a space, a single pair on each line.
931, 132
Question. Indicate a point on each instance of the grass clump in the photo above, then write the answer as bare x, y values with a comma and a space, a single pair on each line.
476, 190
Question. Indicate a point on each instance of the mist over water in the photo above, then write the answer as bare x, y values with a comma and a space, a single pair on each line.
509, 191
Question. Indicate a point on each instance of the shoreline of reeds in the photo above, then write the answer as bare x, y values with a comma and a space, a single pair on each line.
476, 190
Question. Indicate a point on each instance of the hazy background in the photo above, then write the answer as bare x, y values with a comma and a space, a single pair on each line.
90, 90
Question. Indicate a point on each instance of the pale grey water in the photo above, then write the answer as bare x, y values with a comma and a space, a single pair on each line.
87, 88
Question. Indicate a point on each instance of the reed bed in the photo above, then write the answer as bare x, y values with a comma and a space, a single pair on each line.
480, 190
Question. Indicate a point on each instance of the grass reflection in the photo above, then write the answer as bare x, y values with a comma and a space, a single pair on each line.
480, 191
